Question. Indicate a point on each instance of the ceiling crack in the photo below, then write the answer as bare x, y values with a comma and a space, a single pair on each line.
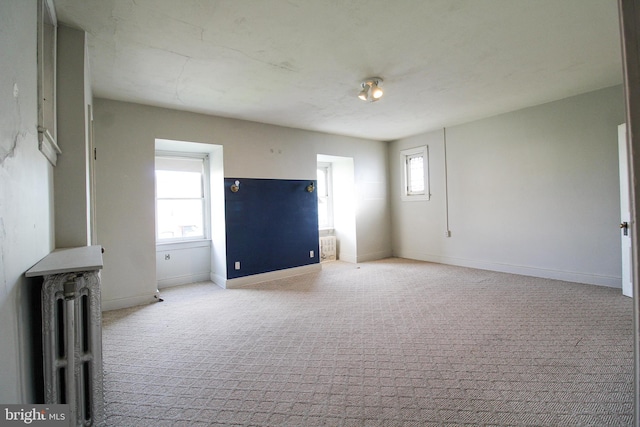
281, 66
179, 78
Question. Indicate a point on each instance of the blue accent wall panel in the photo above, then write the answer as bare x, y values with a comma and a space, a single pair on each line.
271, 224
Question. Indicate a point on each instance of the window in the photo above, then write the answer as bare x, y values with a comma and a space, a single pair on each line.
325, 199
182, 197
415, 167
47, 33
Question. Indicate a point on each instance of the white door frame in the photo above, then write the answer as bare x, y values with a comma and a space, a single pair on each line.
625, 213
629, 11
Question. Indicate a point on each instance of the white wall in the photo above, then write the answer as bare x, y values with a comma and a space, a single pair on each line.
26, 203
533, 191
124, 137
179, 264
71, 175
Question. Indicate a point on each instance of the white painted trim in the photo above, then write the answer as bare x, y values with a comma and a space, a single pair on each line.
272, 275
567, 276
218, 280
118, 303
47, 137
183, 280
47, 145
176, 246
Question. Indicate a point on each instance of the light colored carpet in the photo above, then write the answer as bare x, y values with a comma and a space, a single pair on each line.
385, 343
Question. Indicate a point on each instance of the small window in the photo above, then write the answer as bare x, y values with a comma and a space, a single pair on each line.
325, 199
182, 198
415, 167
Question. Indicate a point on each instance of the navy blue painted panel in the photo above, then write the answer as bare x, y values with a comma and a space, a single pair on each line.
271, 224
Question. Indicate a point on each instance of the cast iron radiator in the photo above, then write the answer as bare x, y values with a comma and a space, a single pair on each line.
72, 339
71, 319
328, 248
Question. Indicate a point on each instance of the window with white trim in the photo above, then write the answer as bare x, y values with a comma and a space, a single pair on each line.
415, 173
182, 197
325, 199
47, 59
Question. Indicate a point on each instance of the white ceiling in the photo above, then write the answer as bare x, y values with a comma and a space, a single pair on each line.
299, 63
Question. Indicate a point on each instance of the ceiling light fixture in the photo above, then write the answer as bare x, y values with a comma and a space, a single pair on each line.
371, 89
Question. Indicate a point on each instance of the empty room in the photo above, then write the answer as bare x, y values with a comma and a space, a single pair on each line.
301, 213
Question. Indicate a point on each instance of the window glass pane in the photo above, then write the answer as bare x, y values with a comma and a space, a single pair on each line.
323, 212
180, 218
180, 197
178, 184
322, 182
415, 172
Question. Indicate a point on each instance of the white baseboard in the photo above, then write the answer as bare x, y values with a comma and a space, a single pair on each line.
265, 277
183, 280
218, 280
116, 304
567, 276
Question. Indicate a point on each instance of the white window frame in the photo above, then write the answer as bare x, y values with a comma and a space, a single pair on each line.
329, 197
206, 210
47, 59
405, 156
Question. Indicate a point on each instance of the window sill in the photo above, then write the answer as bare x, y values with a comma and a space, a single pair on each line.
416, 198
168, 246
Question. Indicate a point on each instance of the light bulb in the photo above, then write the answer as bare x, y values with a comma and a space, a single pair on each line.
376, 92
364, 93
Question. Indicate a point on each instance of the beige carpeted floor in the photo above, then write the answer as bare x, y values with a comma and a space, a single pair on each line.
385, 343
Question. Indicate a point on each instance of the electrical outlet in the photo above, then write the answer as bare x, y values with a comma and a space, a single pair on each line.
167, 257
237, 265
447, 233
310, 254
